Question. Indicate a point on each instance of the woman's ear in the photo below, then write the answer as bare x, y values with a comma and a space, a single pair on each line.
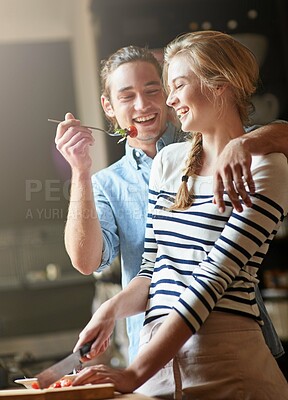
107, 107
220, 89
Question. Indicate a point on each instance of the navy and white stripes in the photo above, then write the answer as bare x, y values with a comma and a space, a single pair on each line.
199, 260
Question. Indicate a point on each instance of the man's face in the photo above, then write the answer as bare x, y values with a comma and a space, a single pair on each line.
137, 98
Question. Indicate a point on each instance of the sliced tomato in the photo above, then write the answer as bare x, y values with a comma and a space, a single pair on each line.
35, 385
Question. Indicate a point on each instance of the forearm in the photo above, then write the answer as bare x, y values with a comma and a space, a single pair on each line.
83, 234
272, 138
132, 300
170, 337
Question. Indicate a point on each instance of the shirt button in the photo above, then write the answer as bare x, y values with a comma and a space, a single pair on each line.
137, 154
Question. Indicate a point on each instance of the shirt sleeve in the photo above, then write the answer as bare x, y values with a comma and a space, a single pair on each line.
245, 237
254, 127
107, 222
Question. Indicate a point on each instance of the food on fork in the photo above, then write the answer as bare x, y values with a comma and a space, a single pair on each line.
130, 131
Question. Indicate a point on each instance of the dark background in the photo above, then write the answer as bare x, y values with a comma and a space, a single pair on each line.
154, 23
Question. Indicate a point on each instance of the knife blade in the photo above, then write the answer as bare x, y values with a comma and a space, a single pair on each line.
63, 367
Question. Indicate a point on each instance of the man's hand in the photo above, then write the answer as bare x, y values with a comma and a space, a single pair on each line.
73, 141
233, 170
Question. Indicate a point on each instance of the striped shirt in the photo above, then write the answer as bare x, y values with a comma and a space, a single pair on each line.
199, 259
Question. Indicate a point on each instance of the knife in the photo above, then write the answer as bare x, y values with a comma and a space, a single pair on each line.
63, 367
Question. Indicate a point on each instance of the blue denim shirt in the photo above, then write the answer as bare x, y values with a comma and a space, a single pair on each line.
121, 196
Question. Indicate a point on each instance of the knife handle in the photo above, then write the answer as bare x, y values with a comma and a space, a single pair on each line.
86, 348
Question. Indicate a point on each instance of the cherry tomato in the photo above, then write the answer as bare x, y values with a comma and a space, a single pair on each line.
35, 385
65, 382
132, 131
56, 384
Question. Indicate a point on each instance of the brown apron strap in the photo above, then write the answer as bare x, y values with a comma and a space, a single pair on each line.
177, 379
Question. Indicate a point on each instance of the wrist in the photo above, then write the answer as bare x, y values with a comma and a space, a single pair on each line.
244, 143
136, 375
81, 175
112, 307
248, 143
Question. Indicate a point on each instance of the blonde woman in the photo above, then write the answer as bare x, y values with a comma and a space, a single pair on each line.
201, 337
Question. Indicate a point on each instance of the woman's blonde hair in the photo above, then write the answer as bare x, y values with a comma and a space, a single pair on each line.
217, 59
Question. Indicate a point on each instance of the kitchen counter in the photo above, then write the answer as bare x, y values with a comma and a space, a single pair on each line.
132, 396
88, 392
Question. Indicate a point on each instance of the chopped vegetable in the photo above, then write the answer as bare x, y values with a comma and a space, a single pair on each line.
64, 382
130, 131
35, 385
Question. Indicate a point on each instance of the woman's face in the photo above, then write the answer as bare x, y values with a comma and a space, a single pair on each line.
194, 107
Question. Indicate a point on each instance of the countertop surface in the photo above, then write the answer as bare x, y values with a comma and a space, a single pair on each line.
132, 396
89, 392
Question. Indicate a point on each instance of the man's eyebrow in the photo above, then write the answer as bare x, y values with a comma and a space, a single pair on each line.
147, 84
178, 77
150, 83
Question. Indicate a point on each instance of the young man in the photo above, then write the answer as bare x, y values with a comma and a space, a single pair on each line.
107, 214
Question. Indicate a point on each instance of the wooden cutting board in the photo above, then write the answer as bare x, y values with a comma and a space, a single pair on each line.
86, 392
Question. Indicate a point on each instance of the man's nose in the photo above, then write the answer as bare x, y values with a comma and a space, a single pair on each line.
141, 102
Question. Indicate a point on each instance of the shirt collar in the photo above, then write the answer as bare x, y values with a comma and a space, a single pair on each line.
137, 156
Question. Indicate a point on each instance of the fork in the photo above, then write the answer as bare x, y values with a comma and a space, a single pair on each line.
90, 127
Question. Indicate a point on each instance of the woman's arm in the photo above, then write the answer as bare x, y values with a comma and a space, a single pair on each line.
130, 301
133, 299
170, 337
240, 248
